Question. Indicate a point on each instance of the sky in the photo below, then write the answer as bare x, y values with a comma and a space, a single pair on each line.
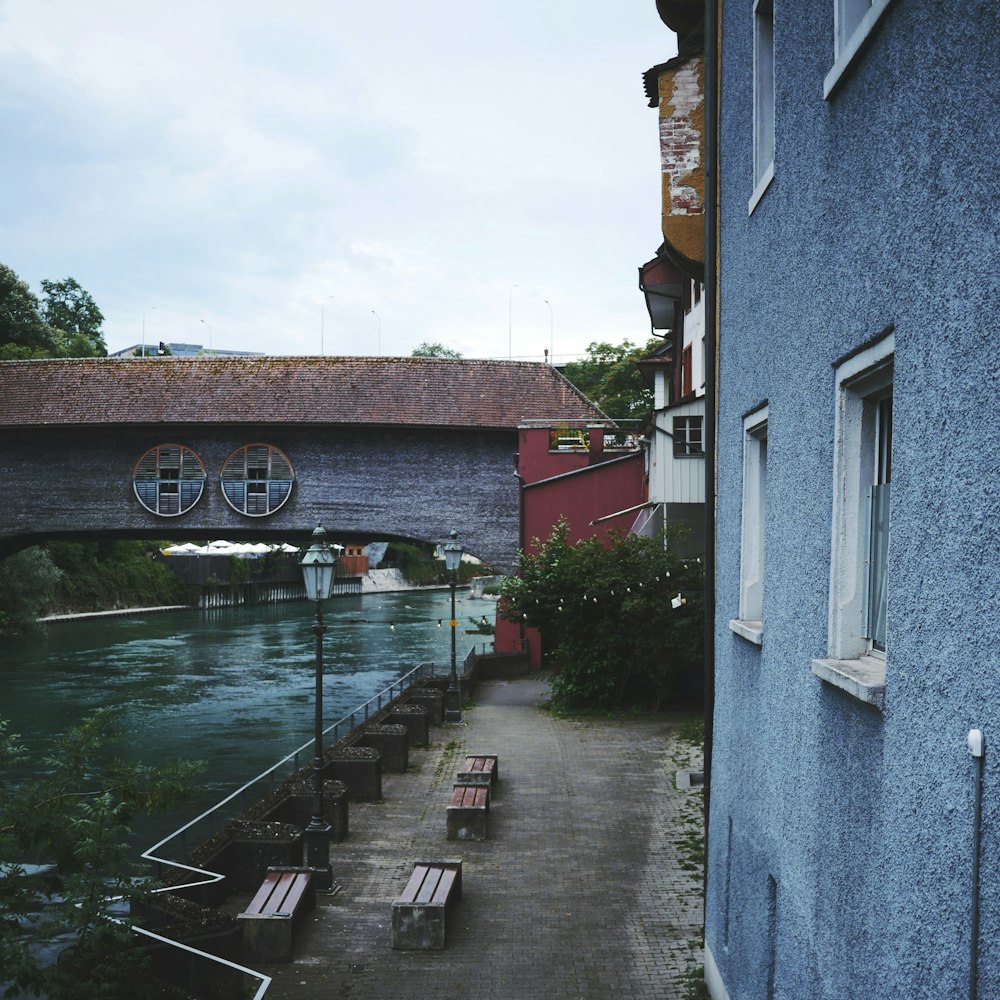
340, 178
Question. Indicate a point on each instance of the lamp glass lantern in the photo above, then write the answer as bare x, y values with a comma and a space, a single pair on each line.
319, 567
453, 552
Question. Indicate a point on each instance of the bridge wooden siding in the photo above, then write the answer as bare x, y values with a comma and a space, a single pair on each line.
436, 450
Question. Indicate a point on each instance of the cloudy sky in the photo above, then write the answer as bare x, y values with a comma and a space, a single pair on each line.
359, 177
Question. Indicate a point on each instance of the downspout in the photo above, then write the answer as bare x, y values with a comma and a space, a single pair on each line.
712, 32
977, 748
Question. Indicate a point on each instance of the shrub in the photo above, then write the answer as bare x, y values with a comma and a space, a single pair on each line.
608, 615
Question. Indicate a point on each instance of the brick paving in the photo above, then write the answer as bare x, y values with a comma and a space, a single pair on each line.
585, 888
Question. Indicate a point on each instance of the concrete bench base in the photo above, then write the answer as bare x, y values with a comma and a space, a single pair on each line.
419, 916
268, 922
467, 812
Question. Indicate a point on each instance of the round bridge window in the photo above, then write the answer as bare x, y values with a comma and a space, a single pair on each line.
168, 480
257, 479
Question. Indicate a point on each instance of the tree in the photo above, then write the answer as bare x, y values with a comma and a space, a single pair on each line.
434, 350
65, 323
610, 377
623, 618
28, 580
65, 857
72, 311
23, 330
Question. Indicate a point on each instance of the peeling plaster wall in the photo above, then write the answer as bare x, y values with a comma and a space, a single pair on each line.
840, 852
682, 152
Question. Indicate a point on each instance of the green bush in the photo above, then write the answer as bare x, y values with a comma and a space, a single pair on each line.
28, 581
607, 617
98, 576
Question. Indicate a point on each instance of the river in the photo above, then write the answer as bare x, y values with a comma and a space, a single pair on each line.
233, 687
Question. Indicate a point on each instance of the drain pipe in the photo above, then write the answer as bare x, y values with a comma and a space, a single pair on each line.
711, 382
977, 747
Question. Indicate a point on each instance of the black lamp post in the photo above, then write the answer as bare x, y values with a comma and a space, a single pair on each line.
319, 567
452, 560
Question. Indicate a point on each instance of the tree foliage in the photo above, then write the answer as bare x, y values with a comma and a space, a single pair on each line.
434, 350
608, 616
64, 823
64, 323
28, 581
72, 312
610, 377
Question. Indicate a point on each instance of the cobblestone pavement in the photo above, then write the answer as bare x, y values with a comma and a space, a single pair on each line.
585, 889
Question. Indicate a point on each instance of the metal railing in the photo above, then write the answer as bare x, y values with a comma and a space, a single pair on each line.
234, 803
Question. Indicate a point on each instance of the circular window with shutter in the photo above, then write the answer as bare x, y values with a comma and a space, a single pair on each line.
168, 480
257, 479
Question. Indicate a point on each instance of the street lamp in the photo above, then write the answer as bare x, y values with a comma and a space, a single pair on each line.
552, 345
322, 324
319, 566
209, 335
452, 560
510, 318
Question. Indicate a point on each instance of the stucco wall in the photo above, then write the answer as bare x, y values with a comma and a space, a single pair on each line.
882, 211
369, 483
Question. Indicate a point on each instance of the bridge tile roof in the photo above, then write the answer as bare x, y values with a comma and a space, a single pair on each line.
428, 392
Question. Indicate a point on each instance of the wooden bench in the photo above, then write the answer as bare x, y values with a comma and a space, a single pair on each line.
418, 916
480, 767
268, 921
467, 811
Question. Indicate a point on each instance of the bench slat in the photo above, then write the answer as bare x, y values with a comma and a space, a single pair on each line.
413, 886
445, 883
293, 891
430, 885
267, 887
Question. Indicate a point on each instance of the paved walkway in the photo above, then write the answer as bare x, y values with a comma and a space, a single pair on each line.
585, 889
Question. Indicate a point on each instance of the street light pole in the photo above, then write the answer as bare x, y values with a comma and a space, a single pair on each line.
319, 566
209, 335
510, 316
452, 560
552, 346
322, 324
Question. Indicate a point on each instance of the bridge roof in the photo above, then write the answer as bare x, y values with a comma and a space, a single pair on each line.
427, 392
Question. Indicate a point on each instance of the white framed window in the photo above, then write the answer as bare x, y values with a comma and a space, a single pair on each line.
750, 623
854, 21
763, 99
859, 579
687, 435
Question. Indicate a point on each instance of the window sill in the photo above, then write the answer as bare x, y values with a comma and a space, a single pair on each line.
847, 55
762, 185
752, 631
863, 678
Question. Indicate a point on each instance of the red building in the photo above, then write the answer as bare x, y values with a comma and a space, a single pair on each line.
590, 475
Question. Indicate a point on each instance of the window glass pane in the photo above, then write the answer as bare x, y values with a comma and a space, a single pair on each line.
878, 551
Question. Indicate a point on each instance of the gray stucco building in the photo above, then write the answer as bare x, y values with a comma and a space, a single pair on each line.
857, 537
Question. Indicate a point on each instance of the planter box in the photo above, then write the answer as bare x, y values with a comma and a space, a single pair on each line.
299, 806
259, 846
392, 744
359, 768
414, 717
432, 700
205, 929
